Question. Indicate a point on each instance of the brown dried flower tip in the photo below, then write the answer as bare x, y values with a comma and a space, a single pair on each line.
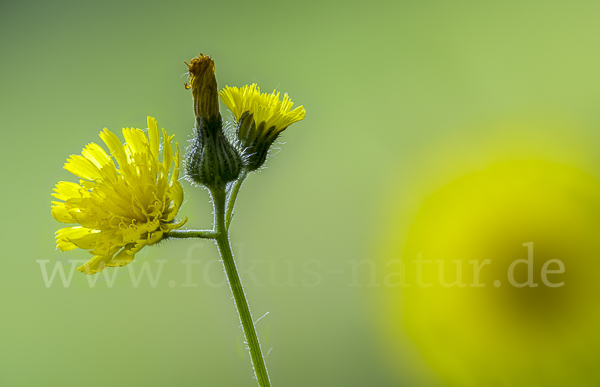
204, 86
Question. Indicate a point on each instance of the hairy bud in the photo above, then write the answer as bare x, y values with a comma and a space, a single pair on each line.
212, 161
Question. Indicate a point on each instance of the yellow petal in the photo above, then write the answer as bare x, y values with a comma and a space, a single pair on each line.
60, 213
65, 190
136, 142
115, 146
126, 255
123, 257
108, 243
175, 175
176, 194
82, 167
167, 152
86, 219
97, 155
69, 238
153, 136
95, 265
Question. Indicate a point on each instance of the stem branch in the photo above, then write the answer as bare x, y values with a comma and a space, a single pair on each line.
233, 197
207, 234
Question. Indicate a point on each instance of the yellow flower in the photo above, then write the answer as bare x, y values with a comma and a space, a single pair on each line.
264, 107
119, 210
260, 118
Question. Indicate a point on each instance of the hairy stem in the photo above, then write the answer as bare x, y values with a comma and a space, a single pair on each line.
207, 234
235, 284
233, 193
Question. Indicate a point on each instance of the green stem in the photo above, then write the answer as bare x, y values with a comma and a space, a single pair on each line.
235, 284
233, 196
207, 234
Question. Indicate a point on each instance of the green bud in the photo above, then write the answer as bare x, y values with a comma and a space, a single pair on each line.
212, 161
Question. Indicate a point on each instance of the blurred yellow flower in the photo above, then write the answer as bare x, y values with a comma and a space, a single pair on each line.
264, 107
500, 278
119, 210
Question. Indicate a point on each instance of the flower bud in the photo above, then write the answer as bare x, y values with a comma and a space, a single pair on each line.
212, 161
204, 86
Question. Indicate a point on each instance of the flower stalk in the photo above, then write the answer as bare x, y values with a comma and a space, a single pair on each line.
235, 285
206, 234
232, 196
223, 203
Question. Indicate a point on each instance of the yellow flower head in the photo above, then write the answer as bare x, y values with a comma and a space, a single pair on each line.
264, 107
204, 86
260, 118
119, 210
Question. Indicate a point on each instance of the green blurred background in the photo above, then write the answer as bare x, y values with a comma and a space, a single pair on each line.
401, 98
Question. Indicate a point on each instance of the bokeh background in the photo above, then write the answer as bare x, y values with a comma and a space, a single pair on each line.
402, 98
